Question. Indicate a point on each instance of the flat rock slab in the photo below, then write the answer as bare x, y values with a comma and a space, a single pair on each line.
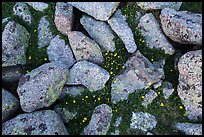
143, 121
39, 6
120, 27
150, 29
10, 105
85, 48
140, 73
159, 5
15, 40
100, 121
58, 51
189, 128
100, 32
88, 74
42, 86
64, 17
22, 10
99, 10
65, 114
182, 26
190, 83
44, 33
44, 122
149, 97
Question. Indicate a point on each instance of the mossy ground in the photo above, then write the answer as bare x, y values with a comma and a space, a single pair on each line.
113, 63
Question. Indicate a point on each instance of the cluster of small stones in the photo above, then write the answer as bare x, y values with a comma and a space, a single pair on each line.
75, 66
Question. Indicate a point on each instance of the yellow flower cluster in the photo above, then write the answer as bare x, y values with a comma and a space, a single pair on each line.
84, 120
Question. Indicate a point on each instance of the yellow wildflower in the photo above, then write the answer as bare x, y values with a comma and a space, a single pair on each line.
115, 54
142, 96
123, 67
85, 118
180, 107
45, 59
86, 97
162, 104
152, 59
29, 57
74, 101
35, 30
111, 72
66, 103
99, 99
158, 92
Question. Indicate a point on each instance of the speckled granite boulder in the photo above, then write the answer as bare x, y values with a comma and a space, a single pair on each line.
88, 74
190, 83
64, 112
44, 34
99, 10
22, 10
63, 17
143, 121
58, 51
15, 40
154, 36
100, 121
149, 97
189, 128
85, 48
140, 73
40, 6
10, 104
120, 27
182, 26
159, 5
44, 122
42, 86
99, 31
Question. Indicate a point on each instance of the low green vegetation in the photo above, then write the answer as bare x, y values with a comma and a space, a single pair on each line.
165, 111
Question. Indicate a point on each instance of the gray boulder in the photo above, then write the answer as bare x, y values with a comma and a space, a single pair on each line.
39, 6
159, 5
99, 10
182, 26
143, 121
149, 97
15, 40
154, 36
42, 86
85, 48
99, 31
167, 90
189, 128
58, 51
140, 73
63, 17
10, 105
120, 27
44, 34
190, 83
44, 122
88, 74
100, 121
65, 114
22, 10
5, 20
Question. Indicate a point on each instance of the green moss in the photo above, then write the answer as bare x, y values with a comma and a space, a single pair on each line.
192, 6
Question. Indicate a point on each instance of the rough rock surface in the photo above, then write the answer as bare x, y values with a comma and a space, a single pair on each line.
74, 91
159, 5
99, 10
85, 48
44, 122
149, 97
189, 128
190, 83
88, 74
182, 26
140, 73
15, 40
65, 114
99, 31
40, 6
120, 27
167, 90
143, 121
10, 104
5, 20
58, 51
44, 34
100, 121
63, 17
154, 36
22, 10
42, 86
